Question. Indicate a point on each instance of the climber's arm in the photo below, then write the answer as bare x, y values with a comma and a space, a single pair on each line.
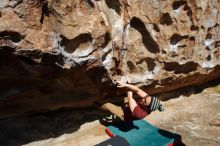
139, 91
131, 101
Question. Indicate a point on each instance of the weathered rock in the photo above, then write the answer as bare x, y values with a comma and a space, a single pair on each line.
73, 50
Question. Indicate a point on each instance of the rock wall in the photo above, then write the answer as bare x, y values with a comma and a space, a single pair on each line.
68, 53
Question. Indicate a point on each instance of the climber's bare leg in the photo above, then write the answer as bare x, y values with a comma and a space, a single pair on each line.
114, 109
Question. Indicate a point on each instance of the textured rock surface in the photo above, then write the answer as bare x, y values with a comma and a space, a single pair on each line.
62, 53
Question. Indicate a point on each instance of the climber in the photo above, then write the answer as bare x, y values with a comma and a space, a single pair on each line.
132, 109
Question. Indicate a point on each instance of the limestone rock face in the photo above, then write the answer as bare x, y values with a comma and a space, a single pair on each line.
68, 53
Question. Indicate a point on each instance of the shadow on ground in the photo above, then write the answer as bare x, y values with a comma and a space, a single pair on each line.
22, 130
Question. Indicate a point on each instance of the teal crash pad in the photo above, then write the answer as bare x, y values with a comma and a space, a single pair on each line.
142, 133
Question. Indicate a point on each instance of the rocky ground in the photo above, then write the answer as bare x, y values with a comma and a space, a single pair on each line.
195, 117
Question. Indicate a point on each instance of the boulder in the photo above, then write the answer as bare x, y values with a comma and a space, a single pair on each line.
57, 54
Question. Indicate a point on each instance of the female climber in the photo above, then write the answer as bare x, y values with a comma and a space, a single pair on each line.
133, 108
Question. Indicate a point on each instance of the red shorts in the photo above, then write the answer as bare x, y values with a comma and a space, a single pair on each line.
139, 113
